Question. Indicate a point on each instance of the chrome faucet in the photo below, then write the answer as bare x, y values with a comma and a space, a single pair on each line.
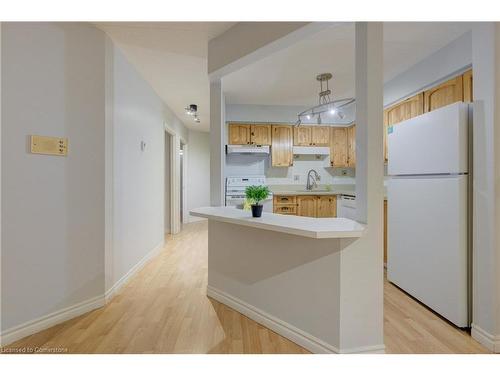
315, 178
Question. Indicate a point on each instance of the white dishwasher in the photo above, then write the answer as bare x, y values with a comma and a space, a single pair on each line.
347, 207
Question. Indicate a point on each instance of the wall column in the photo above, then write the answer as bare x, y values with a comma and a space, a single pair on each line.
361, 279
486, 180
217, 136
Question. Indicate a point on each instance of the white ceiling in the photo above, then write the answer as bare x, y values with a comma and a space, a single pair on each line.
288, 76
172, 57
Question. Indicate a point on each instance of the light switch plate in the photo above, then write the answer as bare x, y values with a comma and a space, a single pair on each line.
49, 145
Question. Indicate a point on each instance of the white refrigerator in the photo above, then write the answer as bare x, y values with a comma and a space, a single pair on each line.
428, 210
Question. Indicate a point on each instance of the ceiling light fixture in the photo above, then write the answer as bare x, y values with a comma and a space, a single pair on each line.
327, 105
192, 110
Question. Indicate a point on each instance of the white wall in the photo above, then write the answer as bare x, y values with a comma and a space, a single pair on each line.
198, 174
447, 62
52, 207
138, 175
486, 196
251, 165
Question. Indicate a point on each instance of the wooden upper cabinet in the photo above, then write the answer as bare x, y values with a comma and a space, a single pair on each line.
320, 135
467, 83
446, 93
338, 147
311, 135
239, 134
405, 110
245, 134
351, 146
260, 134
307, 205
326, 206
282, 146
302, 136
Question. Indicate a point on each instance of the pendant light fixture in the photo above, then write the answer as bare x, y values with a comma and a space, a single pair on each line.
335, 110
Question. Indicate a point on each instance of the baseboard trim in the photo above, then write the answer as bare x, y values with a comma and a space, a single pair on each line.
29, 328
36, 325
486, 339
374, 349
111, 292
298, 336
304, 339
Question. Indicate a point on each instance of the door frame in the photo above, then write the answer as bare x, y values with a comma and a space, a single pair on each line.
184, 215
175, 171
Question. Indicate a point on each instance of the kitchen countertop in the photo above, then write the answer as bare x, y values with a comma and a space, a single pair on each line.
297, 225
321, 190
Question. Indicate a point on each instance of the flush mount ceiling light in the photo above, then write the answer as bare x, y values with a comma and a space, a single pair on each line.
335, 110
192, 110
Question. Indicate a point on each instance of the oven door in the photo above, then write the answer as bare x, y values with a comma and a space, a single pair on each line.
235, 200
239, 200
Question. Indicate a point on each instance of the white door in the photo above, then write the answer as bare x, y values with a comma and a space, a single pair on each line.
427, 242
432, 143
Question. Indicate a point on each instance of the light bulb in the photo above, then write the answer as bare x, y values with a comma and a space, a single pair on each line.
308, 117
333, 111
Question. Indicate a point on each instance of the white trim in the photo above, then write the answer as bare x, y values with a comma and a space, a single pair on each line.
304, 339
184, 215
60, 316
36, 325
492, 342
284, 329
373, 349
111, 292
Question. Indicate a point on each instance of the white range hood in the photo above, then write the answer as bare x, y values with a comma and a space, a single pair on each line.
306, 150
247, 149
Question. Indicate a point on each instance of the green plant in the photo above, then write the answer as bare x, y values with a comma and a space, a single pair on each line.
256, 194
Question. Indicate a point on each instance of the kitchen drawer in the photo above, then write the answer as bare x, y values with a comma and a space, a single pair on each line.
285, 199
285, 209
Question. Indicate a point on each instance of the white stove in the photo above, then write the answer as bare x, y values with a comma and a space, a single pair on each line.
235, 191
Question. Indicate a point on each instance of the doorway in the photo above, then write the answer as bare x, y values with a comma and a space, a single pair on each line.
168, 183
175, 182
182, 179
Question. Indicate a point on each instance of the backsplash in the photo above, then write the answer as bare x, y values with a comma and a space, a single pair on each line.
250, 165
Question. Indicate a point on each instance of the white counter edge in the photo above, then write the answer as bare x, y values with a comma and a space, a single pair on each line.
316, 228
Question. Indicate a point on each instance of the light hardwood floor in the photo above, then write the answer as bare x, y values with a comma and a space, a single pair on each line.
164, 309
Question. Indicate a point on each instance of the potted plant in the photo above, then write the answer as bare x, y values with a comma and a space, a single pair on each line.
256, 194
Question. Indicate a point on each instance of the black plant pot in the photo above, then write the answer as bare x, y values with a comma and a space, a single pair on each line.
257, 210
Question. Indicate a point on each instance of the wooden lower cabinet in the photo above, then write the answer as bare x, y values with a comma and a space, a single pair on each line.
326, 206
285, 204
306, 205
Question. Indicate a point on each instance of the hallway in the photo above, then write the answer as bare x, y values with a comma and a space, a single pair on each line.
164, 309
